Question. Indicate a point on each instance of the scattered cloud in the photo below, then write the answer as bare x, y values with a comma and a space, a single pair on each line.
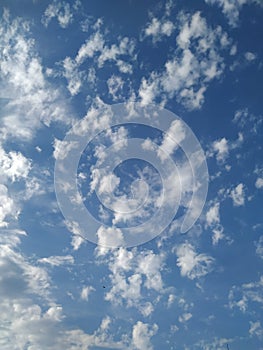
192, 264
231, 9
238, 195
196, 62
32, 100
57, 260
60, 10
241, 297
142, 334
86, 291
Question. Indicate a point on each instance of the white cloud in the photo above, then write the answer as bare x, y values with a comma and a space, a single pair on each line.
131, 272
158, 28
213, 221
192, 264
150, 265
115, 86
86, 291
94, 44
185, 317
212, 215
109, 237
142, 334
221, 148
62, 148
14, 165
256, 329
171, 300
259, 247
259, 183
232, 8
32, 100
60, 10
7, 206
148, 90
195, 63
250, 56
146, 309
172, 139
241, 297
238, 195
57, 260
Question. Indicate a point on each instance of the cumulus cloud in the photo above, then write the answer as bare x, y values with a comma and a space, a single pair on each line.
158, 28
98, 49
131, 272
259, 247
86, 291
142, 334
242, 296
192, 264
221, 148
259, 183
232, 8
32, 100
213, 222
195, 63
256, 329
238, 195
14, 165
7, 206
60, 10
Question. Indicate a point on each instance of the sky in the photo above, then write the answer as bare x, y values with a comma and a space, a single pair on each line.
131, 178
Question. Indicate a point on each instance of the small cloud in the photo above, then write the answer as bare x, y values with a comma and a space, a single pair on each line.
185, 317
57, 260
86, 291
192, 264
141, 335
250, 56
60, 10
238, 195
259, 183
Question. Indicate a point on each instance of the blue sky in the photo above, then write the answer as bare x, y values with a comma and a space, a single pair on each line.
76, 189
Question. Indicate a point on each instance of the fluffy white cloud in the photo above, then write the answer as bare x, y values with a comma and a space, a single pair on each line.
142, 334
158, 28
32, 100
213, 221
196, 62
221, 148
109, 237
115, 86
238, 195
232, 8
131, 272
61, 10
96, 47
259, 247
86, 291
256, 329
192, 264
62, 148
259, 183
7, 206
241, 297
185, 317
14, 165
212, 216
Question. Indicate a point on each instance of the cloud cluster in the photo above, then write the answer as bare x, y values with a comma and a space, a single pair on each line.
195, 63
